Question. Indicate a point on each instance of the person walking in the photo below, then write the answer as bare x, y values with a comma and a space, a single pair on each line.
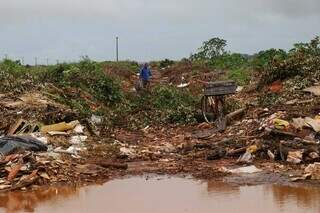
145, 75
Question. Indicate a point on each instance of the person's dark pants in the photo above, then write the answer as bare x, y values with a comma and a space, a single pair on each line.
145, 83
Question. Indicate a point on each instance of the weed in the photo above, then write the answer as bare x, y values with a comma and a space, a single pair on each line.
240, 75
269, 99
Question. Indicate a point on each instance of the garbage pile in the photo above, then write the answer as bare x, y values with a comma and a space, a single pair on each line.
41, 144
36, 159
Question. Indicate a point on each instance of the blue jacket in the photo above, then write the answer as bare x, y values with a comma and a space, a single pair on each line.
145, 73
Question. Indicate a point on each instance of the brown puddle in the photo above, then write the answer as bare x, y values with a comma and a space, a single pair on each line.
138, 195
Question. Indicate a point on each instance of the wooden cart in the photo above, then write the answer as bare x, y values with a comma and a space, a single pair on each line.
212, 103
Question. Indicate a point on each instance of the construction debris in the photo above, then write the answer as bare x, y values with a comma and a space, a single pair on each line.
314, 90
295, 157
314, 171
43, 142
12, 144
242, 170
60, 127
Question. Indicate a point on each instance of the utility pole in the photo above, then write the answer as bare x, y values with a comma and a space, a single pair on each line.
117, 48
36, 61
47, 61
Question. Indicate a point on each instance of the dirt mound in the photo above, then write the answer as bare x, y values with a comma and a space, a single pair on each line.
126, 75
190, 74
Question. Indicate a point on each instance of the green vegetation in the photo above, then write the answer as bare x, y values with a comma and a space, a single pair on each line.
240, 75
160, 105
174, 105
273, 64
77, 85
91, 87
264, 58
303, 60
269, 99
96, 87
210, 49
213, 54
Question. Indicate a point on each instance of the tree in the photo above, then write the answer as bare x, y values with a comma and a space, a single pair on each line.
312, 48
210, 49
265, 57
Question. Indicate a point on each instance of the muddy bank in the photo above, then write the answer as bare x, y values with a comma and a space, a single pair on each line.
169, 151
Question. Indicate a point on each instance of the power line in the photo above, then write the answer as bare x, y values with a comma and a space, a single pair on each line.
117, 48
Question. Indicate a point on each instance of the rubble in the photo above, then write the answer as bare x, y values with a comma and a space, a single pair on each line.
295, 157
314, 90
280, 137
241, 170
313, 170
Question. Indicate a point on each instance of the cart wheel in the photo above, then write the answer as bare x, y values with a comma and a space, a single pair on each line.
212, 109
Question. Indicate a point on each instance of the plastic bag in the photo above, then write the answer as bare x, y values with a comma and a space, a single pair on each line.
12, 144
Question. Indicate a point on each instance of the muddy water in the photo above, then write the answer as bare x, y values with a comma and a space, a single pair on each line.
138, 195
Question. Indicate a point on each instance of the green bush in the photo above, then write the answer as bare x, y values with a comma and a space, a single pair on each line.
269, 99
264, 58
87, 75
174, 105
241, 75
14, 76
303, 60
229, 61
165, 63
162, 105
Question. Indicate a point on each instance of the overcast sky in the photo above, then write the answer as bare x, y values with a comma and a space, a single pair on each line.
150, 29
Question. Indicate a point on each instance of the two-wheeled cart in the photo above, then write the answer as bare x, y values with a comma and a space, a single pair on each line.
213, 101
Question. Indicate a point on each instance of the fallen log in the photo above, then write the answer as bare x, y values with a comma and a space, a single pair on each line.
205, 134
293, 136
279, 132
237, 151
236, 113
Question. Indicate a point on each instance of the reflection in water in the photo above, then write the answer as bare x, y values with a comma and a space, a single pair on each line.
303, 196
218, 187
28, 201
164, 195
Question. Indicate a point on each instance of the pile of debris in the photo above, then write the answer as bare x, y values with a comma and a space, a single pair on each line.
34, 154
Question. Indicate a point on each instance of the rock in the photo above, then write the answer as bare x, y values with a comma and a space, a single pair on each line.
127, 152
216, 154
79, 129
295, 156
96, 119
314, 90
271, 155
167, 147
314, 171
78, 140
247, 169
245, 158
313, 155
299, 123
314, 123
